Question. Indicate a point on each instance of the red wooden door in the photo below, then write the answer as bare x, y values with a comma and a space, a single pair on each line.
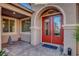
46, 29
52, 30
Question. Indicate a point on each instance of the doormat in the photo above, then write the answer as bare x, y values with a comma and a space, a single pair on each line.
49, 46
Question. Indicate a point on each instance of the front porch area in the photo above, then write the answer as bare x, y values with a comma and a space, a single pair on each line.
51, 24
22, 48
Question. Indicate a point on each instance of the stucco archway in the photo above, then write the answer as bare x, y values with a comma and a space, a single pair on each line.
40, 11
68, 18
37, 24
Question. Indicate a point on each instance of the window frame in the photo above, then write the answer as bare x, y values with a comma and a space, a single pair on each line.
26, 32
9, 18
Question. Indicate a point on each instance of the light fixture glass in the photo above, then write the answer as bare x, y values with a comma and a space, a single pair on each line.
14, 12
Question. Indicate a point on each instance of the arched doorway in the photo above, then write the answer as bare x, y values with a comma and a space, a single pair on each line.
47, 11
52, 30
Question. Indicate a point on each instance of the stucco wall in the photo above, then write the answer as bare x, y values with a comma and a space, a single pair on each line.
26, 37
70, 12
69, 21
69, 40
5, 38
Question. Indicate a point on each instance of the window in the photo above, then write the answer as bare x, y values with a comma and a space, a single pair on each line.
26, 24
12, 27
8, 25
57, 25
5, 25
47, 26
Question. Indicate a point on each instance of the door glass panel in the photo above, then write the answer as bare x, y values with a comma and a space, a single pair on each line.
47, 26
57, 25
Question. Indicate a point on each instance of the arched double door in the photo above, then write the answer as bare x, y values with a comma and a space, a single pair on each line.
52, 30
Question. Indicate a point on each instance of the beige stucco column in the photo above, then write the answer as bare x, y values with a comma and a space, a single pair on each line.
33, 31
0, 28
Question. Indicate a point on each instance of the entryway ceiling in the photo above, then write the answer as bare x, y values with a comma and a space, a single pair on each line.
6, 12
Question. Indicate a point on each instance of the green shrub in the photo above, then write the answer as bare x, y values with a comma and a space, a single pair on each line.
77, 33
2, 53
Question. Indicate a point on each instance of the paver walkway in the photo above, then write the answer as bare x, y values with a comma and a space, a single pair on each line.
22, 48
